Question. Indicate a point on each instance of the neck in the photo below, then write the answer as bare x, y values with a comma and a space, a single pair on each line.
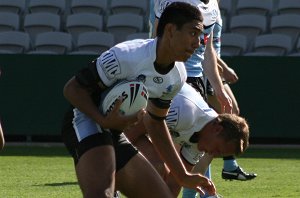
163, 58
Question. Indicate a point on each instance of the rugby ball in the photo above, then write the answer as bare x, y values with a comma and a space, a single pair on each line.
134, 94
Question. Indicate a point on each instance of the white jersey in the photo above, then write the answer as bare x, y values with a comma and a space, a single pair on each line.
188, 114
135, 60
132, 60
211, 13
217, 35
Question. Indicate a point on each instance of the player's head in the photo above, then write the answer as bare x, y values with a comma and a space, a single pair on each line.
178, 13
226, 135
235, 131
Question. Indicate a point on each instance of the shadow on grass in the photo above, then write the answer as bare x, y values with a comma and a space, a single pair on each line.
59, 184
34, 151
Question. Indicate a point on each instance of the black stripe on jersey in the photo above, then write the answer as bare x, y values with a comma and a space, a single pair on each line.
206, 27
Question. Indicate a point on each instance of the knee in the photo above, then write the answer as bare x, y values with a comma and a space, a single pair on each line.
96, 192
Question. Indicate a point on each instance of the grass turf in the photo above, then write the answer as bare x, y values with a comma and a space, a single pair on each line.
37, 172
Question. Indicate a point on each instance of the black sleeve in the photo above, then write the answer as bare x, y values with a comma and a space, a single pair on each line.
88, 77
163, 104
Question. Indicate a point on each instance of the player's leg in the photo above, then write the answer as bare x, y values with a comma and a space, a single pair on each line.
95, 171
139, 179
93, 154
232, 171
140, 140
136, 177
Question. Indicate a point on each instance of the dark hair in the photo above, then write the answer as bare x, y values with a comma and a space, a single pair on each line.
178, 13
235, 130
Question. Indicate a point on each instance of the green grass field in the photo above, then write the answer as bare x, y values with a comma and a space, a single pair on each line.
47, 172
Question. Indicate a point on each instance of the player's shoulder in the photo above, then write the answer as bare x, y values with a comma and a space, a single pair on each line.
188, 92
134, 46
192, 101
182, 70
187, 99
129, 53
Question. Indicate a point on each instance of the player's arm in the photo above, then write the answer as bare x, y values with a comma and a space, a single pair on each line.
211, 71
78, 91
203, 164
157, 129
228, 73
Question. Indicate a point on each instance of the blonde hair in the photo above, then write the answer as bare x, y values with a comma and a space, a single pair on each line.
235, 130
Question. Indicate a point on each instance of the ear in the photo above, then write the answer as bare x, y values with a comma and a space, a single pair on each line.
170, 29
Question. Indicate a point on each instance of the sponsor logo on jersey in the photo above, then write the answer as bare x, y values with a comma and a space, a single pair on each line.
170, 91
109, 64
158, 80
214, 14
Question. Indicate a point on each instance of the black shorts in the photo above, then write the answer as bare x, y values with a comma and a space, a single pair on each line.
210, 90
198, 84
124, 151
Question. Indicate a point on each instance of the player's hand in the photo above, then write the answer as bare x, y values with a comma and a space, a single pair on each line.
229, 75
200, 183
225, 101
117, 121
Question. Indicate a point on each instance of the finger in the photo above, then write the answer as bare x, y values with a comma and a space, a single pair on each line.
228, 109
118, 104
141, 114
223, 109
212, 188
199, 190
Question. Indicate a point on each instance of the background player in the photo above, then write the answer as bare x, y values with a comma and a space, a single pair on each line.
196, 128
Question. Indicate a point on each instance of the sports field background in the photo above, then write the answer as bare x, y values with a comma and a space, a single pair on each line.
47, 172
